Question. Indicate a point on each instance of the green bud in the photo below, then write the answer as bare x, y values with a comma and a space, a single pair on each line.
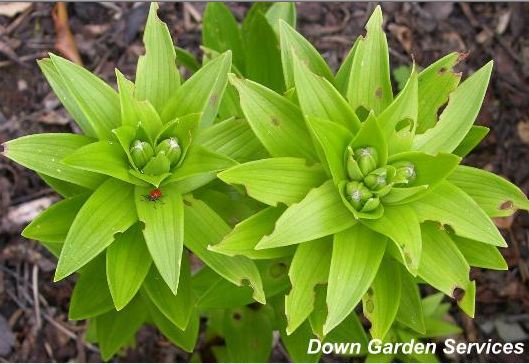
405, 172
171, 149
353, 170
371, 204
356, 193
377, 179
141, 153
367, 158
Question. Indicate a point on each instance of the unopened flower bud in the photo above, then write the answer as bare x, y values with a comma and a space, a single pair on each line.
171, 149
405, 172
367, 158
353, 170
141, 153
377, 179
371, 204
356, 193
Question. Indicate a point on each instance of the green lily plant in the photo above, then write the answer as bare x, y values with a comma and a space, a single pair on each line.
366, 188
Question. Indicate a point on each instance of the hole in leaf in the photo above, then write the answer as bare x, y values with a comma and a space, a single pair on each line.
404, 125
440, 110
278, 270
237, 316
256, 306
378, 92
362, 113
370, 306
506, 205
187, 202
458, 293
213, 100
441, 70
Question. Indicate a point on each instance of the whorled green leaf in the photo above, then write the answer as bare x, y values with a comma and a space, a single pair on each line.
370, 135
117, 329
157, 77
494, 194
263, 56
333, 139
283, 10
449, 205
63, 188
319, 214
458, 116
318, 98
343, 73
204, 227
309, 268
402, 195
109, 210
52, 225
410, 312
44, 153
91, 296
369, 81
401, 225
92, 97
294, 43
246, 234
277, 122
233, 138
184, 339
221, 33
127, 263
474, 136
186, 59
163, 230
480, 255
445, 268
201, 93
381, 302
356, 256
276, 180
176, 307
436, 82
103, 157
126, 100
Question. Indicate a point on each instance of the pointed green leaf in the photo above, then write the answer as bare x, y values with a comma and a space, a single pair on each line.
109, 210
401, 225
157, 77
186, 59
163, 231
294, 43
350, 330
285, 11
178, 307
309, 268
333, 139
369, 80
128, 262
97, 101
410, 311
220, 32
319, 214
276, 180
445, 268
65, 189
277, 122
458, 116
213, 291
201, 93
91, 296
233, 138
370, 135
381, 302
103, 157
296, 344
480, 255
494, 194
126, 100
474, 136
246, 234
116, 329
263, 56
449, 205
402, 195
356, 256
204, 227
52, 225
436, 83
343, 73
185, 339
43, 153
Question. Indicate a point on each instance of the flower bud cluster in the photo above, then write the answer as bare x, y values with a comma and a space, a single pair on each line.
368, 183
142, 152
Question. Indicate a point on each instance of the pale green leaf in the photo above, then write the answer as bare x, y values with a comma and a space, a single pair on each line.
204, 227
109, 210
319, 214
356, 256
410, 311
126, 100
494, 194
157, 77
343, 73
43, 153
276, 180
128, 262
480, 255
63, 188
449, 205
370, 135
458, 116
163, 231
285, 11
186, 59
309, 268
474, 136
